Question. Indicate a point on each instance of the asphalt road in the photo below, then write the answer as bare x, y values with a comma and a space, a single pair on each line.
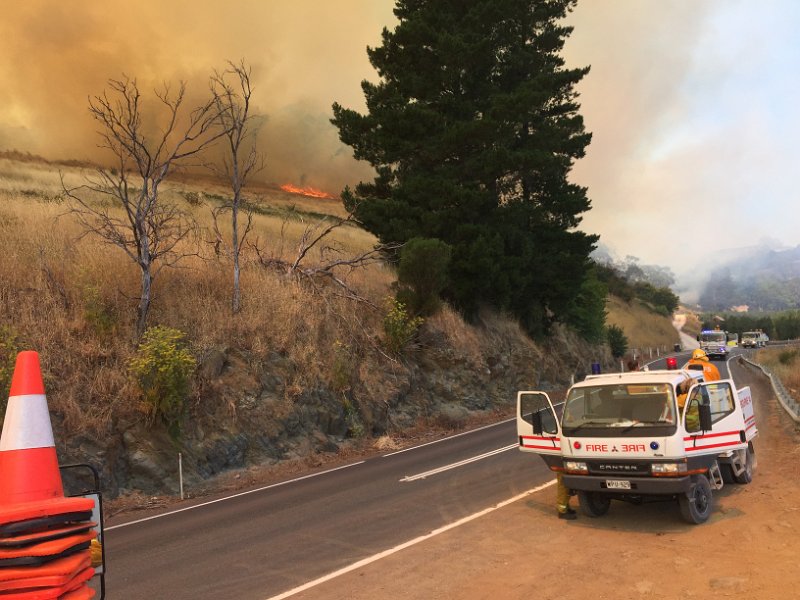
259, 543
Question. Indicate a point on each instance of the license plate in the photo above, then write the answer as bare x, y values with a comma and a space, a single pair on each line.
618, 484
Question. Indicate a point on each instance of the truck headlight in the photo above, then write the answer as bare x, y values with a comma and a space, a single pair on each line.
572, 466
676, 468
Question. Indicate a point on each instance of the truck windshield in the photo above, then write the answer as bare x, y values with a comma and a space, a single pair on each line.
749, 335
713, 336
614, 406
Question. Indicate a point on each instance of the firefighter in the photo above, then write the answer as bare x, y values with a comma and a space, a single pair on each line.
693, 412
562, 500
700, 358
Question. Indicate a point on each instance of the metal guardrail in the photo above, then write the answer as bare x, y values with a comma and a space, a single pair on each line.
786, 400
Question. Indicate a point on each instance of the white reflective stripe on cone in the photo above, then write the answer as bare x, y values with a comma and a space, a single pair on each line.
27, 423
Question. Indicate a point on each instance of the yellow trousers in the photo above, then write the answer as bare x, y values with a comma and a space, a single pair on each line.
562, 494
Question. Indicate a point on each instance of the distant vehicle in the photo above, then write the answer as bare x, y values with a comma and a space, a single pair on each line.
754, 339
715, 343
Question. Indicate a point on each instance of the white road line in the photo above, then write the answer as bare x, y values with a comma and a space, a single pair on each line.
261, 489
376, 557
449, 437
455, 465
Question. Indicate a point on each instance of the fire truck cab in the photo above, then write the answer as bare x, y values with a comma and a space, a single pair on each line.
643, 436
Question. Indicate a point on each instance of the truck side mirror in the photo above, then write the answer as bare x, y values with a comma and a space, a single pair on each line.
705, 416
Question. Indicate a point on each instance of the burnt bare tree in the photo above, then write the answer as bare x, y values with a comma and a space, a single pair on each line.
232, 90
152, 233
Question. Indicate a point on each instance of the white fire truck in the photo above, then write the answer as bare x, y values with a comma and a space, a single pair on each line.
716, 343
754, 339
623, 436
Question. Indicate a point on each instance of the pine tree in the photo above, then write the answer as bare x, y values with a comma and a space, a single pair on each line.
473, 129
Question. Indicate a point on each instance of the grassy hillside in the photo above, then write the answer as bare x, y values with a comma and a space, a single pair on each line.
73, 298
300, 370
643, 328
297, 371
785, 363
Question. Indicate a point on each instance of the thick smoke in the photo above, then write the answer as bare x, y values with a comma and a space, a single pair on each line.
305, 55
674, 139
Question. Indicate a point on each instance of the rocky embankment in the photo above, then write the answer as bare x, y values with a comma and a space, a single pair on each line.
248, 413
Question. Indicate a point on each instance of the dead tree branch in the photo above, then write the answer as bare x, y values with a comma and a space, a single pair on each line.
330, 270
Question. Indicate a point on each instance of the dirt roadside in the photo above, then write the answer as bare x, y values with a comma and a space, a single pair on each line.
748, 549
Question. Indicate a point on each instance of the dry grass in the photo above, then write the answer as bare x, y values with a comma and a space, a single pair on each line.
643, 328
74, 299
785, 363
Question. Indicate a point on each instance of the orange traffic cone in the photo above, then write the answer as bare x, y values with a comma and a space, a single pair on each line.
30, 481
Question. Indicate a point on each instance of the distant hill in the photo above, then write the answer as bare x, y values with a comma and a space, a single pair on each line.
759, 278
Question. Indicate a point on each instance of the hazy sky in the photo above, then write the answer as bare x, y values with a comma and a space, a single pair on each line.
691, 102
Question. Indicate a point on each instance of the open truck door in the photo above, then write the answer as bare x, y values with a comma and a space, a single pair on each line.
711, 419
538, 427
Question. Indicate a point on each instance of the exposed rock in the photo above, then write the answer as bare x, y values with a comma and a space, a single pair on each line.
252, 411
212, 364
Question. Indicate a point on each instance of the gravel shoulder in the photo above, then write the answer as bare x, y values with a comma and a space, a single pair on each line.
748, 548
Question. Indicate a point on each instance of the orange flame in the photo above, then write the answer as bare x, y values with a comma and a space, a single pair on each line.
306, 191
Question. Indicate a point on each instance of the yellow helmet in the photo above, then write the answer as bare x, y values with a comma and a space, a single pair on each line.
699, 354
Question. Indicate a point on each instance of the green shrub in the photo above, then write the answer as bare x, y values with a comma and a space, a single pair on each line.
661, 310
398, 326
617, 341
97, 311
355, 426
162, 368
193, 198
587, 313
422, 274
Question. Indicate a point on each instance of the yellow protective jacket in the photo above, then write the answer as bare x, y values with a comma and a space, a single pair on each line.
710, 371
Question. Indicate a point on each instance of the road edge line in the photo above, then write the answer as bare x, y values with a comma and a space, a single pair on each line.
237, 495
376, 557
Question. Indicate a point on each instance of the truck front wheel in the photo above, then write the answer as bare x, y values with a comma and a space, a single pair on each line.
697, 504
593, 504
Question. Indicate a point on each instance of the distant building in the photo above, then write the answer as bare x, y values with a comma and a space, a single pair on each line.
743, 308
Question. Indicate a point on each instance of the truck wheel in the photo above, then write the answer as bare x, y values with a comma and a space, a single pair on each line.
727, 473
697, 504
749, 463
594, 504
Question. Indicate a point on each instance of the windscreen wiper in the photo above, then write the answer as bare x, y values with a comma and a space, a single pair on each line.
629, 427
577, 428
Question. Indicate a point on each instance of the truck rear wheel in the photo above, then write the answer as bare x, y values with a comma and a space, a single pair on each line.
697, 504
746, 476
593, 504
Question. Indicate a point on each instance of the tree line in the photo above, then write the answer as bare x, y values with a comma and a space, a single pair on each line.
784, 325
